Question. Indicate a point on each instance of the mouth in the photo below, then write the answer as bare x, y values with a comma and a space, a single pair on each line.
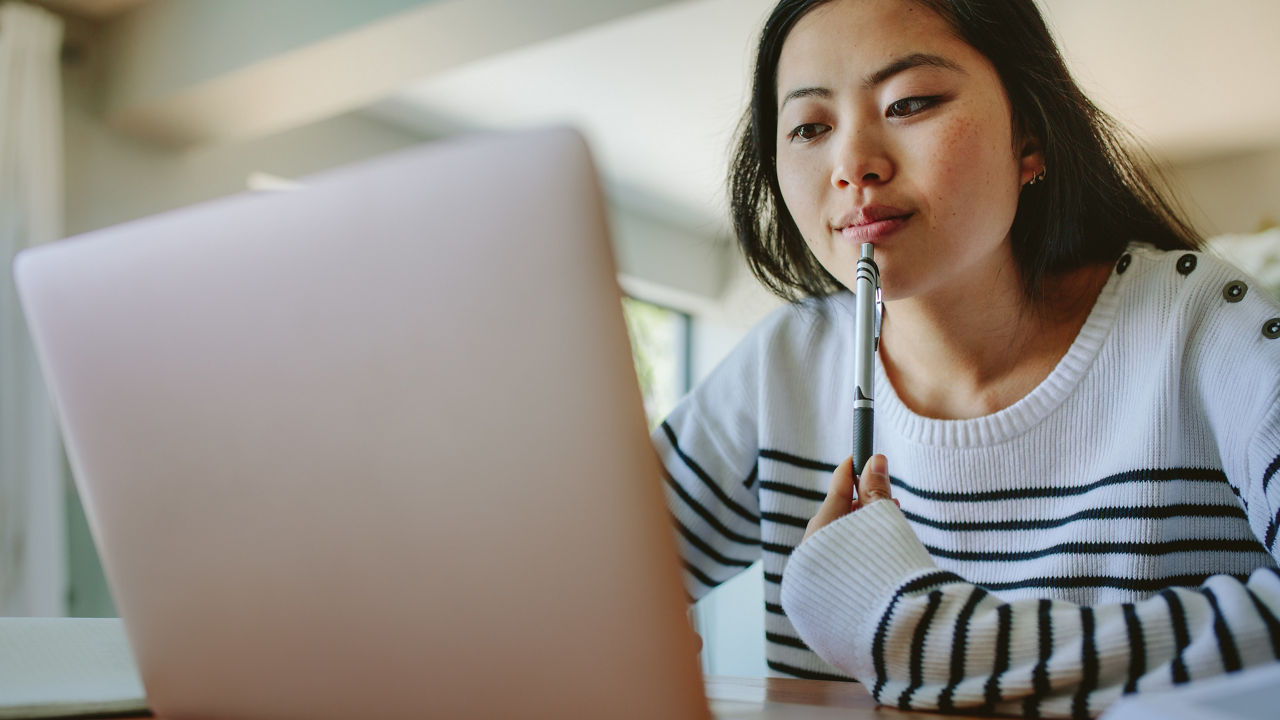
871, 224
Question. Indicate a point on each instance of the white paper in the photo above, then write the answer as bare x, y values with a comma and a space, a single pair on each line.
66, 667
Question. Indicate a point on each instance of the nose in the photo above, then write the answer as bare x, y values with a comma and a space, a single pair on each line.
861, 159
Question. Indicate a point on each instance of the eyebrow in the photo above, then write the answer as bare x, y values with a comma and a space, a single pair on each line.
902, 64
908, 62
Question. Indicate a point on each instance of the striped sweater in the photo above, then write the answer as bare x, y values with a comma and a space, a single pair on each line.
1113, 531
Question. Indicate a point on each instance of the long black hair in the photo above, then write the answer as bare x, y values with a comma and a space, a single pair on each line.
1098, 195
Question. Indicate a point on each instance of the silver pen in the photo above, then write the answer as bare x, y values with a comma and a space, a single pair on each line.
866, 340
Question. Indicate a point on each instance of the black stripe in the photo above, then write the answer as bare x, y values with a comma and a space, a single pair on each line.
924, 582
700, 576
1270, 473
1272, 526
785, 640
774, 609
1181, 637
782, 519
877, 647
706, 479
751, 479
1102, 548
806, 674
1095, 581
960, 650
1226, 644
792, 490
797, 461
1268, 619
778, 549
706, 548
1004, 626
774, 578
705, 514
1137, 648
1025, 493
1243, 502
1040, 675
1089, 663
1100, 513
1236, 491
917, 649
929, 580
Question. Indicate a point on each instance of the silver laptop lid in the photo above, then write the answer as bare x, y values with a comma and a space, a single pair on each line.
373, 448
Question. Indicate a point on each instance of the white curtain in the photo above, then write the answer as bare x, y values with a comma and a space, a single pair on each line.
33, 559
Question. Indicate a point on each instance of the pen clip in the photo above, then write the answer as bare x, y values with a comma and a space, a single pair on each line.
875, 332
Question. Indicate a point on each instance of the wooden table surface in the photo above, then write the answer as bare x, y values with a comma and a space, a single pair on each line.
782, 698
781, 695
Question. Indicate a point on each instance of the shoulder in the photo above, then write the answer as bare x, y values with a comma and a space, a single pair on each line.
1218, 322
793, 338
1199, 291
805, 320
803, 331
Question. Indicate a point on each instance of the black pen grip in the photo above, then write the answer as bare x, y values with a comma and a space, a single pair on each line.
862, 419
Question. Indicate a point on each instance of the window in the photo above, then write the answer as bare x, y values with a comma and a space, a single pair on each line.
660, 346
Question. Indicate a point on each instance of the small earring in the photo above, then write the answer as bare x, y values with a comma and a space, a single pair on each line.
1038, 176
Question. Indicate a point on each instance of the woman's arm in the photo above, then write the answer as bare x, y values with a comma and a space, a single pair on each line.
714, 505
866, 596
709, 450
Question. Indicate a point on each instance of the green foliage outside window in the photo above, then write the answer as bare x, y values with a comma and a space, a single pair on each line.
659, 346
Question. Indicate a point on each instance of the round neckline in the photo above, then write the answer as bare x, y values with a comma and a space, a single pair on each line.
1029, 410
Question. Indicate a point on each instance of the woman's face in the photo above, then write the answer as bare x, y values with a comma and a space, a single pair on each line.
893, 131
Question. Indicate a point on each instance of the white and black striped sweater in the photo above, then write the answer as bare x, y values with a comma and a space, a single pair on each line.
1113, 531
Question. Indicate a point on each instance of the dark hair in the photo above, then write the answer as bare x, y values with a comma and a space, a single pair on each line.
1095, 200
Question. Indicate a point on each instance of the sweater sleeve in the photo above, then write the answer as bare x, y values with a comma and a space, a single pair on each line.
708, 451
1261, 491
866, 596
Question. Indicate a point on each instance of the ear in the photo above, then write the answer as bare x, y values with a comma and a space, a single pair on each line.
1031, 163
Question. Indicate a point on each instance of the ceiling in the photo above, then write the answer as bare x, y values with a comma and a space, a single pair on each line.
659, 92
92, 10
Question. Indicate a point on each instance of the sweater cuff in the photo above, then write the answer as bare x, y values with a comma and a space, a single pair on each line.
837, 583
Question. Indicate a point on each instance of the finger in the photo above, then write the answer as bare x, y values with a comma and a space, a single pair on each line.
840, 491
839, 500
874, 485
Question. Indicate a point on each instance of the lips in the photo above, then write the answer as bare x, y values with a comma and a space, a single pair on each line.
871, 223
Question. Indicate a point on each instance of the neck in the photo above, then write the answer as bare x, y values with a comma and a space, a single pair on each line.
963, 354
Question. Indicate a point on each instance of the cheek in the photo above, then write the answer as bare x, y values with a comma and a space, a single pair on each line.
976, 170
797, 194
972, 156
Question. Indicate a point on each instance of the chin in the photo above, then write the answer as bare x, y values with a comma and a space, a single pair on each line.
894, 287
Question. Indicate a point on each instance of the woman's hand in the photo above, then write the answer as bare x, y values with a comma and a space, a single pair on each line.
872, 486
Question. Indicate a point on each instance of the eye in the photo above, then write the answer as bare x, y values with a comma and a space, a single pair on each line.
907, 107
807, 131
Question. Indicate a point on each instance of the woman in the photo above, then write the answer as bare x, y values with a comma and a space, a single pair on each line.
1082, 412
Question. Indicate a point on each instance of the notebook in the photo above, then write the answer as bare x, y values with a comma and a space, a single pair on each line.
372, 448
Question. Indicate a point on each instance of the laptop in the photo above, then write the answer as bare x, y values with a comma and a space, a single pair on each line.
373, 448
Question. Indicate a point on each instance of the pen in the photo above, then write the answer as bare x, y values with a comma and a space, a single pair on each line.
866, 337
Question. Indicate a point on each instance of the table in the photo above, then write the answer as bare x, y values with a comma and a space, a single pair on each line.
787, 699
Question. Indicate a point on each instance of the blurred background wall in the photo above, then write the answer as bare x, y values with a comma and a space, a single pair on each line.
172, 102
